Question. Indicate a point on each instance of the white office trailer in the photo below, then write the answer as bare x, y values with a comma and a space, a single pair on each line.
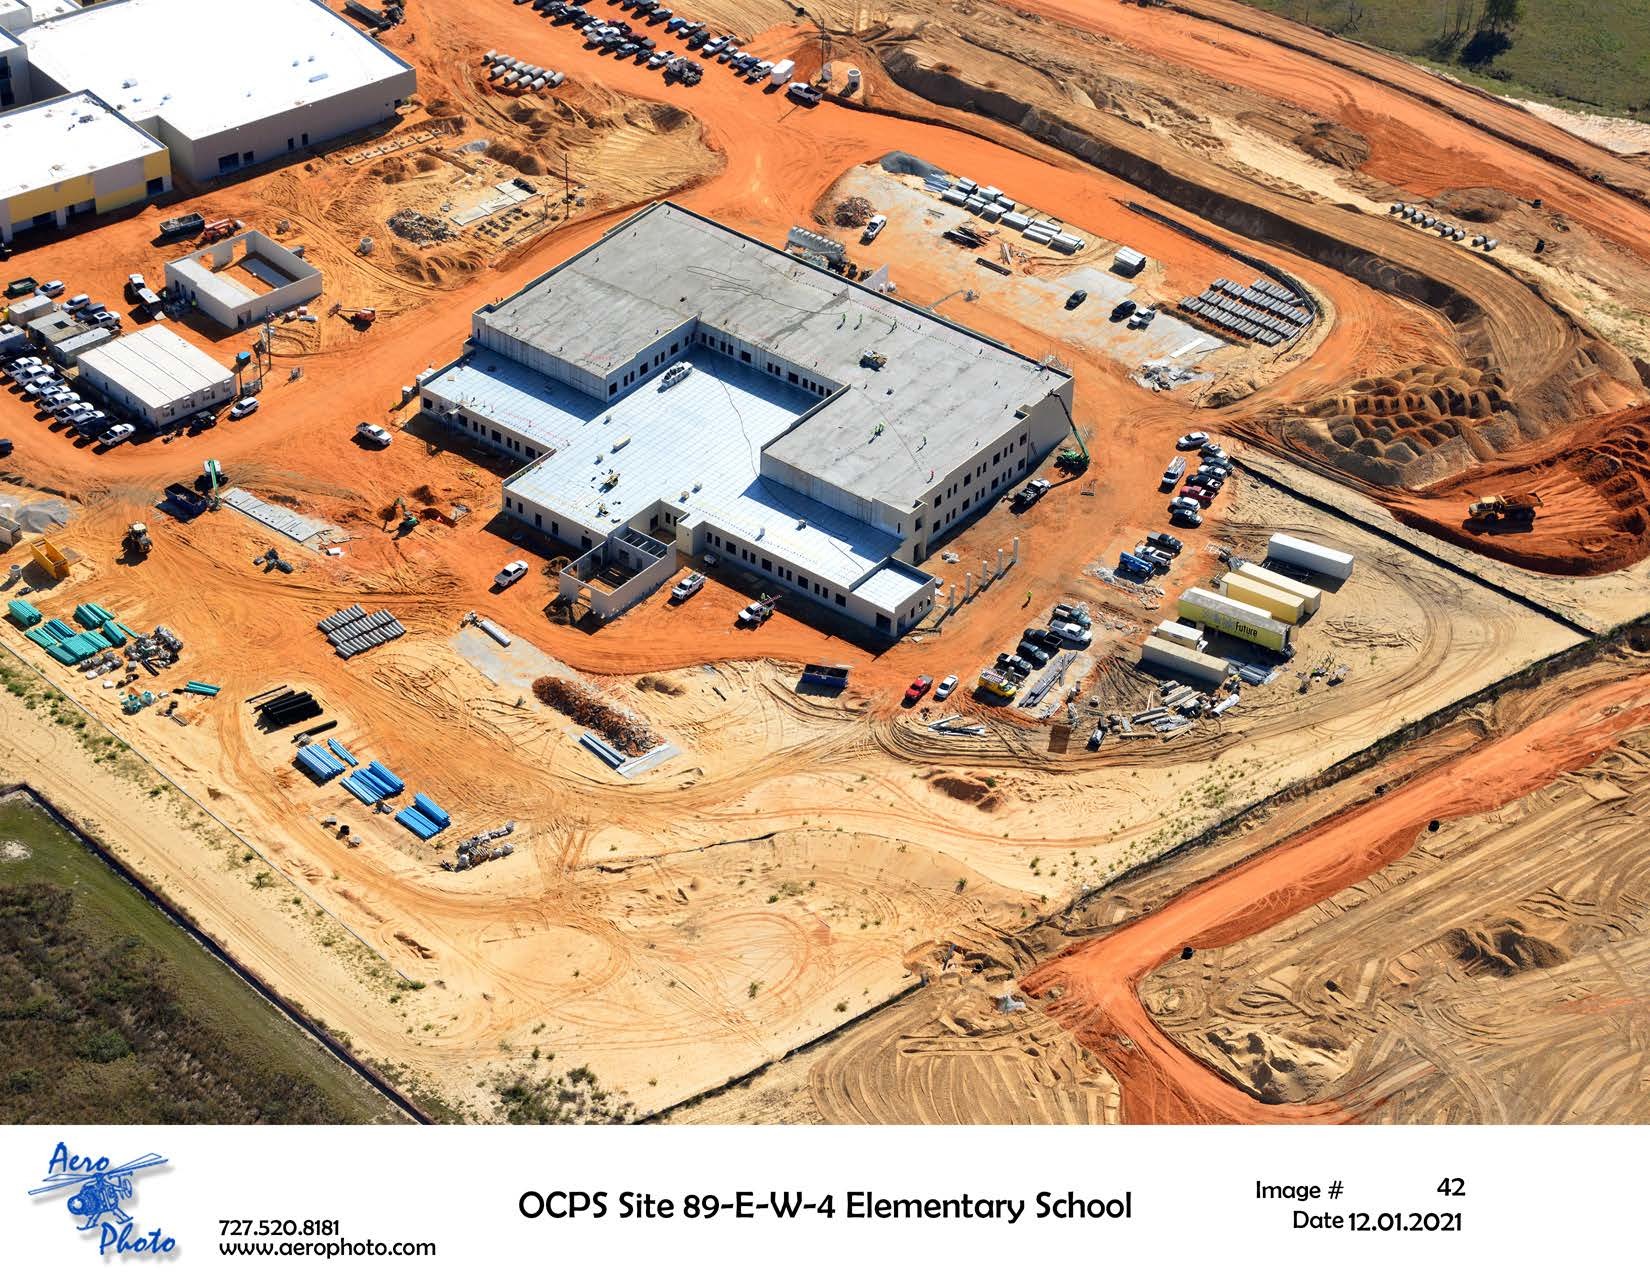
227, 84
826, 438
243, 280
73, 156
156, 376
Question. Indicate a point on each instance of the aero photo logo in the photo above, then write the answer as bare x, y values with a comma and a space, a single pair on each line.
101, 1193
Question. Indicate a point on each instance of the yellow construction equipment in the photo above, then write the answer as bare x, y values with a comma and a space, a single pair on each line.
1516, 509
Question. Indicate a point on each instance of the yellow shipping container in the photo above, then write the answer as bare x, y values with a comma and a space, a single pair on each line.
1309, 594
1275, 602
1235, 618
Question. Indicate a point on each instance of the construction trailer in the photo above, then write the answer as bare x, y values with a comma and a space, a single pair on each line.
157, 376
1182, 660
1275, 602
1308, 554
1310, 595
1180, 634
1234, 618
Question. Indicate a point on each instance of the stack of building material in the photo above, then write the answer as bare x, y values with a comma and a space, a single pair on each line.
374, 782
424, 819
343, 753
23, 615
289, 709
88, 615
352, 631
318, 763
116, 632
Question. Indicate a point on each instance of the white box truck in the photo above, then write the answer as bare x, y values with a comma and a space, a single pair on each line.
782, 71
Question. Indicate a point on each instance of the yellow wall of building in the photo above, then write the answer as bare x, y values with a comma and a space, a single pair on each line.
32, 203
120, 198
157, 165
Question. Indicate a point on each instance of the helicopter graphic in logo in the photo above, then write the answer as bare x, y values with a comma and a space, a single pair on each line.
100, 1191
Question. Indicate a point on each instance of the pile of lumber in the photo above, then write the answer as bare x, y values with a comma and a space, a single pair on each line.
626, 733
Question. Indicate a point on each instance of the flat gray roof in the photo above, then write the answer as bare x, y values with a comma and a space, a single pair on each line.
943, 394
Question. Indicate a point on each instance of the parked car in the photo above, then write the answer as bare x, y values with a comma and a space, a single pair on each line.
1211, 483
1156, 557
873, 228
51, 288
1031, 493
1033, 654
1172, 474
1192, 441
1142, 318
1043, 638
1212, 451
1186, 517
1202, 495
1184, 502
1076, 299
687, 586
1163, 540
512, 572
918, 689
377, 435
657, 61
1071, 633
1014, 664
946, 686
806, 94
1122, 310
243, 407
116, 434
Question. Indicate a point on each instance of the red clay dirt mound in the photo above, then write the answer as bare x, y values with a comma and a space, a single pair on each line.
1595, 492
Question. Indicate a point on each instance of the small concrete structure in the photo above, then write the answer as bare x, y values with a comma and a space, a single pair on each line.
243, 280
157, 376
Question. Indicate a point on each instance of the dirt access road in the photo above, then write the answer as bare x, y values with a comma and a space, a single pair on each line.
1094, 989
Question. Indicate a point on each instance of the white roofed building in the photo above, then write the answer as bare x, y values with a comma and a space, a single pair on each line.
826, 438
73, 156
224, 84
157, 376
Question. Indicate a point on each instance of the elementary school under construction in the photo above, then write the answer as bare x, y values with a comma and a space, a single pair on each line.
826, 437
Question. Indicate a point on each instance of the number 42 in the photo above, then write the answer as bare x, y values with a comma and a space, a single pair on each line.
1452, 1186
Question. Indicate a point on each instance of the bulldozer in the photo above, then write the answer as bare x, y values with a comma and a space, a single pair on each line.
1519, 510
136, 542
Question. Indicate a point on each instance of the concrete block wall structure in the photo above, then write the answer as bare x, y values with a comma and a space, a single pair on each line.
204, 279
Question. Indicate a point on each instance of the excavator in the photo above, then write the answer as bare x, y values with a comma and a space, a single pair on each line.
409, 520
1519, 510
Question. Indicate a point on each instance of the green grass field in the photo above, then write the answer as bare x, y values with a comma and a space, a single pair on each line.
1590, 54
111, 1014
